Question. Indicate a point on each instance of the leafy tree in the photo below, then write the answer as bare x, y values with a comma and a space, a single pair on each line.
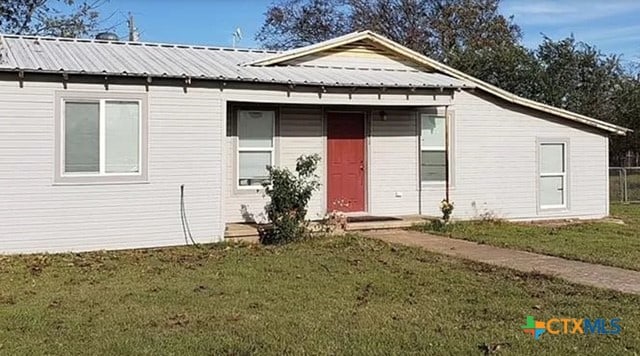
470, 35
437, 28
578, 77
510, 67
626, 112
62, 18
298, 23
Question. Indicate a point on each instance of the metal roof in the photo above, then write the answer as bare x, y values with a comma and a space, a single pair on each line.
427, 62
99, 57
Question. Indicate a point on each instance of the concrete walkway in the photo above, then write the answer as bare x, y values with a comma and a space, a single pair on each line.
614, 278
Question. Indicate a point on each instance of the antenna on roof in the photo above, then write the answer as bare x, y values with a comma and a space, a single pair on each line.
236, 36
134, 35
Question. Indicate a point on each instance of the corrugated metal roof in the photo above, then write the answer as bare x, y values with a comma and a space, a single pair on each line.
47, 54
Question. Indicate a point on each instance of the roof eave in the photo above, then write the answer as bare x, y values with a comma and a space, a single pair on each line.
424, 60
63, 73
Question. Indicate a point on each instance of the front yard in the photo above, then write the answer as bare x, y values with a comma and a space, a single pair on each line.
341, 295
598, 242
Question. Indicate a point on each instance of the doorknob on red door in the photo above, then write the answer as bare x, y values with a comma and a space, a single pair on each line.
361, 165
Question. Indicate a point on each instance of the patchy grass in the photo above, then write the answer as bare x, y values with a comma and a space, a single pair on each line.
342, 295
598, 242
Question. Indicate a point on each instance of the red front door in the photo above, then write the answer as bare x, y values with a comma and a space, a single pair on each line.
345, 162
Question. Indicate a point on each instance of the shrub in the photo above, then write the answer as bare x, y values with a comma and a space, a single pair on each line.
332, 222
436, 225
446, 207
289, 195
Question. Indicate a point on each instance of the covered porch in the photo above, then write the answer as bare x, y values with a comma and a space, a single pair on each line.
371, 156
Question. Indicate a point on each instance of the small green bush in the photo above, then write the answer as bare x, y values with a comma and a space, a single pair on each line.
446, 207
289, 195
437, 225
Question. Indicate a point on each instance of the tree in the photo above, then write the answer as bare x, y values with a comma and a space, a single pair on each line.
511, 67
470, 35
61, 18
578, 77
298, 23
625, 150
441, 29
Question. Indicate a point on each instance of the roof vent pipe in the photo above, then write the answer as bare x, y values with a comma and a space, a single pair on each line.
107, 36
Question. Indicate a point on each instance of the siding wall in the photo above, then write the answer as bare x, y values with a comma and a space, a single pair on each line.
391, 149
300, 132
357, 55
495, 167
184, 148
393, 163
496, 162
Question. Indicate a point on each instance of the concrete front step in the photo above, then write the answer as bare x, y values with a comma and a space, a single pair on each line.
249, 232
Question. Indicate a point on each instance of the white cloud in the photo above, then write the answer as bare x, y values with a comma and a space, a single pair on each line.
610, 25
567, 12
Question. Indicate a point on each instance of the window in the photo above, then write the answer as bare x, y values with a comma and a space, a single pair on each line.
100, 139
553, 174
255, 146
432, 148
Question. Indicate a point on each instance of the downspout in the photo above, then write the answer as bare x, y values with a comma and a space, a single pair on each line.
446, 153
419, 136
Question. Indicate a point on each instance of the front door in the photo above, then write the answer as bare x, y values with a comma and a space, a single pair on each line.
345, 162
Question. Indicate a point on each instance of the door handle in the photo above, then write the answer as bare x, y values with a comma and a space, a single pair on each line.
361, 165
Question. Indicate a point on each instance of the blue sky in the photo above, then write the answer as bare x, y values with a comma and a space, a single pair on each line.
612, 25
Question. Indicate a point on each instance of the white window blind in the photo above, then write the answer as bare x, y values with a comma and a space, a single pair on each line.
82, 137
432, 148
101, 137
122, 137
255, 146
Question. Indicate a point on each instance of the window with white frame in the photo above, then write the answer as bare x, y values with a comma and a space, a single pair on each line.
432, 148
255, 146
553, 175
99, 139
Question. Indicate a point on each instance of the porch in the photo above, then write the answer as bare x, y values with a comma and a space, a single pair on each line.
370, 159
248, 232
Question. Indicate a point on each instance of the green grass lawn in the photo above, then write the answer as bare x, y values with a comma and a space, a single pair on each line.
341, 295
598, 242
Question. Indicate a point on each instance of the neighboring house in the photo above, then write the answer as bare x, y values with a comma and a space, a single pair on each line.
97, 138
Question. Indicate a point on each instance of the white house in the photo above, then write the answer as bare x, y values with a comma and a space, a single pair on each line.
98, 137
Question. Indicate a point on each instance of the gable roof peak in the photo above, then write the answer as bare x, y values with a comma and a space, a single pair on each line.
425, 61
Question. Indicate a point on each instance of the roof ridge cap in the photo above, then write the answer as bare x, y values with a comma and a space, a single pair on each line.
4, 53
140, 43
355, 68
